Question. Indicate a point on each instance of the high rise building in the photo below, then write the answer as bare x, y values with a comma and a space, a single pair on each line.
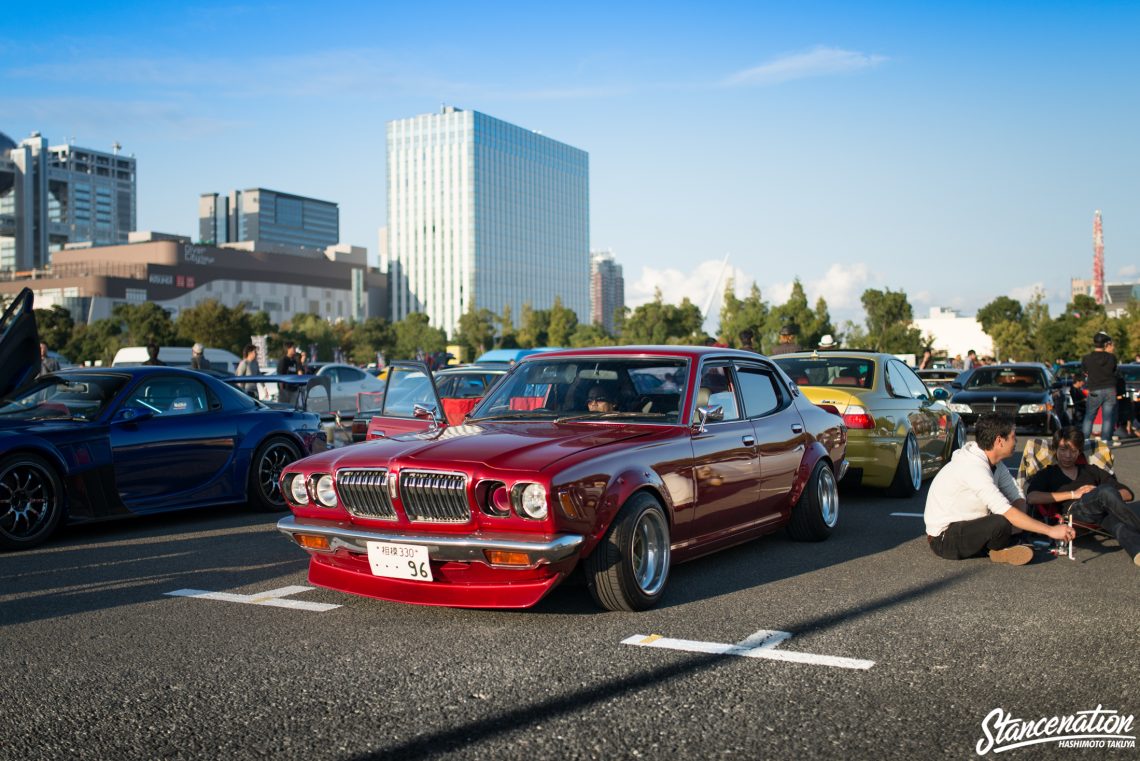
51, 196
484, 214
607, 289
267, 217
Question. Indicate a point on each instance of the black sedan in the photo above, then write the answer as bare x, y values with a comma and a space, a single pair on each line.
1026, 391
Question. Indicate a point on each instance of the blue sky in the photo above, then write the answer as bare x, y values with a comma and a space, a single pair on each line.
955, 151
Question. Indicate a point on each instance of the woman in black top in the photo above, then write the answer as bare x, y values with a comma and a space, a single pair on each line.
1092, 494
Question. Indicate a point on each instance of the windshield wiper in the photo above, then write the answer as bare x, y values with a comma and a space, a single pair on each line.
513, 415
604, 415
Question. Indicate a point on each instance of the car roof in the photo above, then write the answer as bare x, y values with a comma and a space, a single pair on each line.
660, 350
481, 367
864, 354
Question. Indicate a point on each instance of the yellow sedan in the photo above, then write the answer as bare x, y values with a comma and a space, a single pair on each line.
898, 433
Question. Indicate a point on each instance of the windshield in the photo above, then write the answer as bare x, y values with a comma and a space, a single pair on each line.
828, 370
1006, 379
62, 397
584, 389
1131, 373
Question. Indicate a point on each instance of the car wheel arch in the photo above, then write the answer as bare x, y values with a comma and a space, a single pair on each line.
813, 453
622, 488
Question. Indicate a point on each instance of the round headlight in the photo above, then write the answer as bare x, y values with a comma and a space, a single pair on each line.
297, 490
531, 501
323, 488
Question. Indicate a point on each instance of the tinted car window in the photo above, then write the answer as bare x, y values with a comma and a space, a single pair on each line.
759, 390
349, 375
1007, 379
913, 384
168, 395
826, 370
718, 389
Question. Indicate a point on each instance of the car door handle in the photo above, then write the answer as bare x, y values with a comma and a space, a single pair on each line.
797, 428
749, 441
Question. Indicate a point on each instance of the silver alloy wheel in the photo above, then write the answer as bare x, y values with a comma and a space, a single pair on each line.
650, 552
913, 462
273, 461
27, 499
827, 494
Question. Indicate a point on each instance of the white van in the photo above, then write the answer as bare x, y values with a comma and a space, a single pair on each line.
176, 356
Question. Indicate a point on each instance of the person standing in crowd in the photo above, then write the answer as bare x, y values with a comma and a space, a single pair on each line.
1100, 380
974, 505
152, 355
198, 359
827, 342
1078, 399
746, 340
288, 365
926, 361
971, 360
249, 366
787, 342
47, 364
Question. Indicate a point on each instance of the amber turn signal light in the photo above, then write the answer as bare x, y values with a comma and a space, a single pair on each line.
312, 541
505, 557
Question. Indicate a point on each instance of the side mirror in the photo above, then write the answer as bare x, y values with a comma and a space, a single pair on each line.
426, 412
956, 384
713, 413
132, 415
940, 394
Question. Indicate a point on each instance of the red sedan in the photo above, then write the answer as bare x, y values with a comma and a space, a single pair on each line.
624, 460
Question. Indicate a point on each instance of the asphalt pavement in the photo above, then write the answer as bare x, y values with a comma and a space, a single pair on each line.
891, 652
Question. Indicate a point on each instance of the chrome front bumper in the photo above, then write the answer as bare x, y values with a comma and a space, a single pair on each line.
464, 549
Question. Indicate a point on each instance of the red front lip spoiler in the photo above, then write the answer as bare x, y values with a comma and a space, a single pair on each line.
464, 548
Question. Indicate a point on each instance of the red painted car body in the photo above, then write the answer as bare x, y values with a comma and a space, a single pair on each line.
708, 448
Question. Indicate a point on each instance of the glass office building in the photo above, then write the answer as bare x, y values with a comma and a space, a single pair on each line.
482, 212
267, 216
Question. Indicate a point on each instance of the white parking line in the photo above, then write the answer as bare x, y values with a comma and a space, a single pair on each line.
272, 598
908, 515
762, 644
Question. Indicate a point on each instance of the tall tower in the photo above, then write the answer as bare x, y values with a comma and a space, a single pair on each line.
1098, 259
483, 214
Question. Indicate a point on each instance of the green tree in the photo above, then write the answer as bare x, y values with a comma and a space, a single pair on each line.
476, 330
414, 334
508, 337
889, 319
144, 323
535, 323
1011, 340
371, 337
657, 323
96, 342
562, 324
55, 326
1001, 309
812, 324
586, 336
736, 315
214, 324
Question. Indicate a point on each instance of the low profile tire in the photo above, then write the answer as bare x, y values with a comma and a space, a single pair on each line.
815, 514
265, 473
629, 567
31, 501
908, 475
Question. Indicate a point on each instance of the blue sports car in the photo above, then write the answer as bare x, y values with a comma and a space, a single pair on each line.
96, 443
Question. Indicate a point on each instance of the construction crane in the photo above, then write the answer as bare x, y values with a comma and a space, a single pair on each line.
1098, 259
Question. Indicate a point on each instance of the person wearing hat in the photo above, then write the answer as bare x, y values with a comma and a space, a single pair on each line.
198, 359
827, 342
787, 341
1100, 382
600, 400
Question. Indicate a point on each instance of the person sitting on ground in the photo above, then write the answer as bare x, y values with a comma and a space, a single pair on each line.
974, 505
152, 355
1091, 494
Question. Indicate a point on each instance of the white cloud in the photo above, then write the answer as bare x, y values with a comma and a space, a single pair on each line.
1129, 270
817, 62
1024, 293
842, 286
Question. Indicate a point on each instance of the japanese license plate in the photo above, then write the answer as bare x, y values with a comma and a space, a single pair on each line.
399, 561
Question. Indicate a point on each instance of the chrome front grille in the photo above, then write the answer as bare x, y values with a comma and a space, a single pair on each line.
435, 497
364, 493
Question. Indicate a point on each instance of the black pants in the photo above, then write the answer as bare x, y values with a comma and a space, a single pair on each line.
1121, 519
968, 539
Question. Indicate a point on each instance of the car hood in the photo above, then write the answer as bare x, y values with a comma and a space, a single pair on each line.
1008, 397
513, 446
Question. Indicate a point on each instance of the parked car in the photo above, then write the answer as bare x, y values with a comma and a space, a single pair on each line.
1027, 391
348, 383
936, 378
445, 397
899, 433
222, 362
94, 443
496, 511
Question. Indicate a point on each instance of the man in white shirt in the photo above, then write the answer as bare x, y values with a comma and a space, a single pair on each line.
974, 504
